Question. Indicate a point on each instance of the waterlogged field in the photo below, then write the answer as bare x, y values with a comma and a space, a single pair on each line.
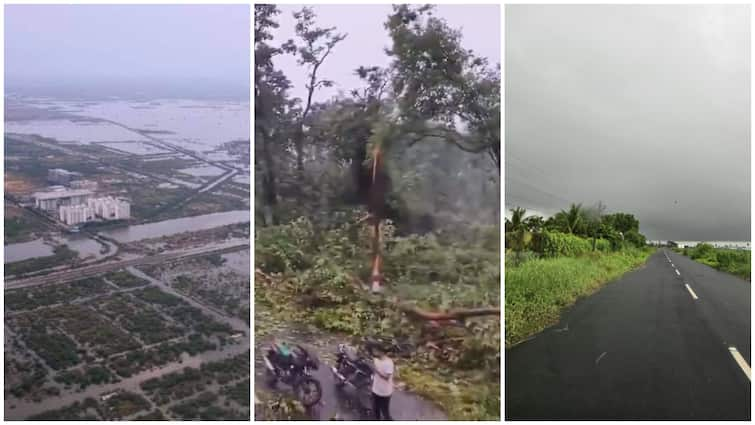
194, 124
537, 290
73, 131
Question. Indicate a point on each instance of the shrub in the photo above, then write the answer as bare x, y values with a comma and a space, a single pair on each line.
556, 244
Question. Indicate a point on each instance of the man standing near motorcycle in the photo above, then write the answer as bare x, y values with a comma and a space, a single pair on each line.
382, 384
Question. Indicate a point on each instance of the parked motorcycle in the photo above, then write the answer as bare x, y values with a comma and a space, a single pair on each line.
294, 367
354, 371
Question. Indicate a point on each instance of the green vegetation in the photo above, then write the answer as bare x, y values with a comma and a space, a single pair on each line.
389, 150
182, 312
311, 280
40, 296
89, 329
21, 226
117, 407
539, 289
133, 362
552, 263
736, 262
189, 381
123, 405
240, 392
124, 279
61, 255
204, 407
56, 349
90, 375
24, 377
78, 411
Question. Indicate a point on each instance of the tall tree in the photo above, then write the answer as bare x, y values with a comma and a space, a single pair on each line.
271, 104
443, 90
316, 45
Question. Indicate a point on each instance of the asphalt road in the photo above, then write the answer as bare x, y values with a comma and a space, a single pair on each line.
668, 341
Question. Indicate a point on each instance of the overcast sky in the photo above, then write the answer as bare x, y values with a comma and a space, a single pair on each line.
645, 108
150, 45
367, 38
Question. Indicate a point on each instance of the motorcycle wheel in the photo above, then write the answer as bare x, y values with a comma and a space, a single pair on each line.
309, 392
270, 377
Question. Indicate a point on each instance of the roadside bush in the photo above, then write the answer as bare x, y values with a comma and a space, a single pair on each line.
556, 244
728, 260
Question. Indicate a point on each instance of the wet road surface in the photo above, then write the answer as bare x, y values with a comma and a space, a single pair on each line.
668, 341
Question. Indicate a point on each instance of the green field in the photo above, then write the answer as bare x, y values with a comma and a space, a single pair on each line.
539, 289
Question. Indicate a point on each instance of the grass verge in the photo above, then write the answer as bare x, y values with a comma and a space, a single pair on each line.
538, 290
734, 261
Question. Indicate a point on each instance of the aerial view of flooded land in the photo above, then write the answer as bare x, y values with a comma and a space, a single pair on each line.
144, 312
127, 271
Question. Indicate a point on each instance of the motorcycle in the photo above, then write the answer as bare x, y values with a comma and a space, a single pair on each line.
354, 371
294, 368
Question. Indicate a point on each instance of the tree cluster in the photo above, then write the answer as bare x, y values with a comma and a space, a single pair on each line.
619, 229
314, 155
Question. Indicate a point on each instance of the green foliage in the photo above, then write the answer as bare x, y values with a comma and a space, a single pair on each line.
556, 244
322, 280
124, 279
538, 290
736, 262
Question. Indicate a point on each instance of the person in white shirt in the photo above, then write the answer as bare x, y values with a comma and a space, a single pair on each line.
382, 385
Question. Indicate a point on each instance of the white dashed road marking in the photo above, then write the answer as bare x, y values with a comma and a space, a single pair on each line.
740, 361
677, 272
691, 292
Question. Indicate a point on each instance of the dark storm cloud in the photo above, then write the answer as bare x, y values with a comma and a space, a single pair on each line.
203, 48
646, 108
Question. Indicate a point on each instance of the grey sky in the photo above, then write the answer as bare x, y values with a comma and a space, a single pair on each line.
367, 39
646, 108
175, 45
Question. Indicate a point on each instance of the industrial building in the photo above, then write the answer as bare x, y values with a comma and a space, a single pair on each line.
50, 201
109, 208
61, 176
75, 214
74, 206
84, 184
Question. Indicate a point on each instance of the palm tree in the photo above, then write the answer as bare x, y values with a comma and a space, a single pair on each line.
517, 228
573, 219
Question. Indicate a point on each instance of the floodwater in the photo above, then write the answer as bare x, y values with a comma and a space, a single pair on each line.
202, 171
73, 131
177, 225
84, 245
23, 408
25, 250
243, 179
194, 124
135, 148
